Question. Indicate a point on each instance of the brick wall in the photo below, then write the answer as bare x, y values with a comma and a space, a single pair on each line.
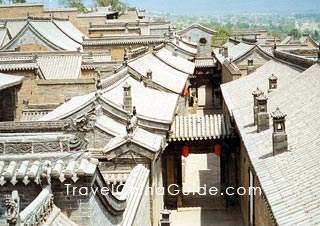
98, 139
18, 11
88, 49
83, 23
99, 216
197, 34
244, 182
261, 214
32, 48
227, 76
76, 207
117, 53
85, 74
51, 91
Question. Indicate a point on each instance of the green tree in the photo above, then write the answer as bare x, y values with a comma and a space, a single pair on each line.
315, 35
221, 37
76, 4
295, 33
116, 4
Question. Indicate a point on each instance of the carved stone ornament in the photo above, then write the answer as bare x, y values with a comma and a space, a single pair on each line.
12, 203
79, 127
18, 148
53, 146
40, 215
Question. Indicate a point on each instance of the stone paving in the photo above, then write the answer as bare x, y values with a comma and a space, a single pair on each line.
200, 169
206, 217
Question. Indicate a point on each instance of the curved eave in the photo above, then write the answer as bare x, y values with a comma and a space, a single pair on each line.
34, 30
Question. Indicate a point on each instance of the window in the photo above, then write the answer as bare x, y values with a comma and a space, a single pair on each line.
203, 41
251, 199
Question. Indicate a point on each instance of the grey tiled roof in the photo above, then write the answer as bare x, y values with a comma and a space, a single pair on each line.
234, 51
139, 137
66, 109
7, 81
18, 66
199, 127
176, 62
52, 33
70, 30
198, 26
286, 40
117, 130
33, 115
29, 170
289, 180
204, 62
181, 45
149, 102
59, 33
125, 40
162, 74
15, 26
3, 34
60, 67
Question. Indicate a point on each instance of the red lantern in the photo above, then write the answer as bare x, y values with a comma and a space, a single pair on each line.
185, 151
217, 149
185, 91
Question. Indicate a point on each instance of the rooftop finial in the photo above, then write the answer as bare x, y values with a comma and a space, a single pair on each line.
277, 114
262, 114
99, 84
127, 99
132, 122
279, 135
257, 92
125, 56
318, 53
273, 82
12, 202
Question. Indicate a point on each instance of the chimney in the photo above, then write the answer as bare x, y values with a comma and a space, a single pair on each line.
274, 47
126, 30
175, 51
318, 54
279, 136
272, 83
125, 57
250, 67
255, 94
149, 82
225, 51
98, 84
262, 115
127, 99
